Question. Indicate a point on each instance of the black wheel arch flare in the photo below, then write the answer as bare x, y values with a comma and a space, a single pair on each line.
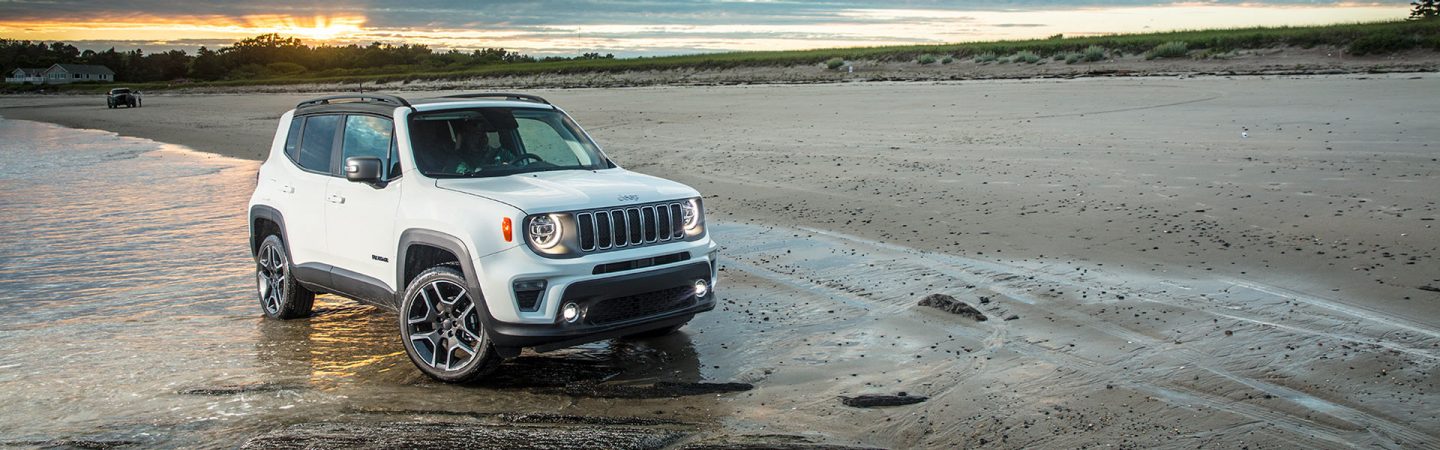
446, 242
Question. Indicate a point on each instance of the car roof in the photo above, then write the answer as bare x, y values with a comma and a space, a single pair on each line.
385, 104
442, 103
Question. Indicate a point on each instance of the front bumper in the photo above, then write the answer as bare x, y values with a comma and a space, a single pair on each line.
612, 307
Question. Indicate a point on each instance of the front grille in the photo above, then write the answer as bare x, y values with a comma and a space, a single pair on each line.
632, 226
637, 306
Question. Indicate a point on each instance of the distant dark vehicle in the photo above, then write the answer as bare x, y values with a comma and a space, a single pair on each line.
123, 97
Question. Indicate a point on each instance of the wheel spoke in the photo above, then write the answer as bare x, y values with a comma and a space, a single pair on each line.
429, 308
457, 344
448, 357
440, 295
471, 334
432, 338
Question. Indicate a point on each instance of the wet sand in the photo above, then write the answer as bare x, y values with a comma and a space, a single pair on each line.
1177, 262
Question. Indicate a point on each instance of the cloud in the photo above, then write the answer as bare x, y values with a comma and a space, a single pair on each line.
637, 27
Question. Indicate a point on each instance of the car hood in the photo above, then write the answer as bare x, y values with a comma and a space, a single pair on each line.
566, 190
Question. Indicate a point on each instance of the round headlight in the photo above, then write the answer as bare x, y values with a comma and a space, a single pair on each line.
690, 213
543, 231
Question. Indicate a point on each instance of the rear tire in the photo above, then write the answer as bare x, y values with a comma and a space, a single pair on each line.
281, 297
443, 328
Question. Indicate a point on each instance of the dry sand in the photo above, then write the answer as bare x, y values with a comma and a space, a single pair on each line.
1189, 261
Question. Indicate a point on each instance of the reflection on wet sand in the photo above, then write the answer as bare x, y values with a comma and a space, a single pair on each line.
346, 341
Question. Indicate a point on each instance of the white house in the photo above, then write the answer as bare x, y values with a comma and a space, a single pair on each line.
75, 73
26, 75
62, 74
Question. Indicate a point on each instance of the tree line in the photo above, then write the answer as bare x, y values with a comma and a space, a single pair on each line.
261, 57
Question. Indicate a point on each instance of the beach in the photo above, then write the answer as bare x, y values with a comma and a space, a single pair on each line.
1173, 261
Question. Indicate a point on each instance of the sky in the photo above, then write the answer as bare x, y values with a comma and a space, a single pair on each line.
640, 27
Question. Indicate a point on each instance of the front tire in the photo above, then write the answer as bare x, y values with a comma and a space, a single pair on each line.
281, 297
442, 326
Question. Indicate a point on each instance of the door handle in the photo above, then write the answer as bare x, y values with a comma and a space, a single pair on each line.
336, 199
287, 189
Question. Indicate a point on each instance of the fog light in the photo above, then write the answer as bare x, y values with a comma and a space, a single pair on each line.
571, 312
701, 288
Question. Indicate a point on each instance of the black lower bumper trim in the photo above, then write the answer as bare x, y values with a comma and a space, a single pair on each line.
509, 338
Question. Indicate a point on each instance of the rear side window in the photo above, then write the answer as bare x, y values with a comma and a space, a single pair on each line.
318, 143
292, 140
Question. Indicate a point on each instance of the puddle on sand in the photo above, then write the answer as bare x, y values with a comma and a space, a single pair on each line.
127, 285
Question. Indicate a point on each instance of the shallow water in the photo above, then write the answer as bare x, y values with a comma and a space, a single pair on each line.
126, 282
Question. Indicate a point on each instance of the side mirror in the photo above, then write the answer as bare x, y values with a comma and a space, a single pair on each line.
362, 169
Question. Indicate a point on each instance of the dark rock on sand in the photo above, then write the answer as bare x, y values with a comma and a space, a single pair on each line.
459, 435
71, 443
523, 417
874, 400
1429, 288
951, 305
542, 418
661, 389
232, 389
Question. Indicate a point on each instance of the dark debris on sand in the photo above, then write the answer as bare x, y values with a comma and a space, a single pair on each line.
459, 435
951, 305
877, 400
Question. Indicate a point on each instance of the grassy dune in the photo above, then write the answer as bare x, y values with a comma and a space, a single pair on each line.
1356, 39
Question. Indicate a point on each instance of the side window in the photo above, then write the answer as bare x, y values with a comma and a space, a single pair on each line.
318, 143
366, 136
292, 140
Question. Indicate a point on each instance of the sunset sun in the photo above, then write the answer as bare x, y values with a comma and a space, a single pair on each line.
316, 28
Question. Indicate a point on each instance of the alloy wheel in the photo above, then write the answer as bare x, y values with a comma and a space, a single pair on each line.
444, 327
270, 277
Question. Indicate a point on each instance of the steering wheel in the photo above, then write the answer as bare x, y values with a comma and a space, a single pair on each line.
525, 156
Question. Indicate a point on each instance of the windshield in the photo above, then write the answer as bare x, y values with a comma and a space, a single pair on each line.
487, 142
119, 91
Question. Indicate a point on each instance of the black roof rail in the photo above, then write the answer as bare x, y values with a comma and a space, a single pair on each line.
507, 95
361, 97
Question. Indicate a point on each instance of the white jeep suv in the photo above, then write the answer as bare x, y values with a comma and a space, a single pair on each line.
490, 222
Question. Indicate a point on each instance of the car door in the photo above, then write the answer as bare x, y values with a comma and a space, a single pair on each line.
360, 217
303, 187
